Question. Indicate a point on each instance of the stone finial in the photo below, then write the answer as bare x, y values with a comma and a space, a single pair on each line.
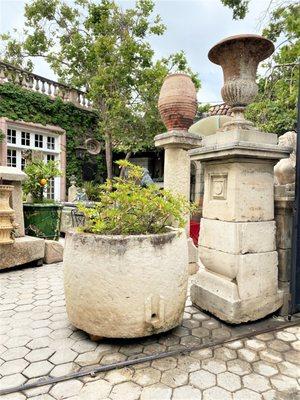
284, 170
177, 102
239, 57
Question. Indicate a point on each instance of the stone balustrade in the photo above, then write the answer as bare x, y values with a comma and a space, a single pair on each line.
40, 84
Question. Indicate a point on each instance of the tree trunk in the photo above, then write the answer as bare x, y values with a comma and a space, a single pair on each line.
108, 156
122, 172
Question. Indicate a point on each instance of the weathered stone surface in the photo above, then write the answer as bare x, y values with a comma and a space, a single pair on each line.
284, 264
239, 191
239, 135
24, 250
217, 298
237, 238
154, 294
53, 251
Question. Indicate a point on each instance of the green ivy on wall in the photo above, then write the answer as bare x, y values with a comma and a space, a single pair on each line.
20, 104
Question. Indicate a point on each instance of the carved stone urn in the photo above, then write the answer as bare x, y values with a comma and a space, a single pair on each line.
6, 215
177, 102
239, 57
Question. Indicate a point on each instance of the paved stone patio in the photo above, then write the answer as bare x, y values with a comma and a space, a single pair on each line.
36, 340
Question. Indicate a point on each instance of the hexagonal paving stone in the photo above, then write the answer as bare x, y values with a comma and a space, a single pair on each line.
292, 356
256, 382
202, 379
39, 354
255, 344
126, 390
39, 343
82, 346
289, 369
119, 375
190, 341
156, 392
214, 366
202, 354
18, 341
146, 376
284, 383
71, 387
64, 369
188, 364
285, 336
180, 331
11, 381
248, 355
39, 368
13, 367
63, 356
264, 368
216, 393
229, 381
200, 332
246, 394
270, 356
278, 345
164, 364
191, 323
97, 390
14, 353
225, 354
174, 377
186, 393
89, 358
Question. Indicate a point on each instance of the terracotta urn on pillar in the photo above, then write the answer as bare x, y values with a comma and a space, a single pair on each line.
6, 215
239, 57
177, 102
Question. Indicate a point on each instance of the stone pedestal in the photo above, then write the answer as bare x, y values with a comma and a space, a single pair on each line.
238, 276
25, 249
284, 201
177, 170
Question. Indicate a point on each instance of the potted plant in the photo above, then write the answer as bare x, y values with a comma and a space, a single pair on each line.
41, 216
125, 271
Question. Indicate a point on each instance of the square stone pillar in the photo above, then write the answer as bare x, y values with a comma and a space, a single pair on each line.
177, 169
238, 275
284, 202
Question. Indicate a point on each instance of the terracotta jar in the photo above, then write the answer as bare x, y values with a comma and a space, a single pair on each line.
177, 102
6, 215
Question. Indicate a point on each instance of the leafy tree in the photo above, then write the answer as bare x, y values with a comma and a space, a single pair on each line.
102, 48
239, 7
275, 109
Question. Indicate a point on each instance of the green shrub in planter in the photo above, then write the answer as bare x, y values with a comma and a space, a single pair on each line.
127, 208
42, 216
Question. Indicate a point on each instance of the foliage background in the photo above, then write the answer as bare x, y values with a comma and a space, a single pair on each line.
20, 104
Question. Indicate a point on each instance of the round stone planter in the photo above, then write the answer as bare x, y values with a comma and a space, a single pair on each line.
42, 220
125, 286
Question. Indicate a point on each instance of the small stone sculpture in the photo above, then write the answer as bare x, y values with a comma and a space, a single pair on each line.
284, 170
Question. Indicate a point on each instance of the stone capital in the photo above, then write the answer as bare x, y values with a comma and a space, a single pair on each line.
240, 150
178, 139
12, 174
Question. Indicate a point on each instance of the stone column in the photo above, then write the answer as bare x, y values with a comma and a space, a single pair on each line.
177, 173
284, 201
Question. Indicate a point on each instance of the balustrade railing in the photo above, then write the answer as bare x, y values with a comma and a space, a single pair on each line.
40, 84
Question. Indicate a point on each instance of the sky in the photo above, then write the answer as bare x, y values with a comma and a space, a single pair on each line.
193, 26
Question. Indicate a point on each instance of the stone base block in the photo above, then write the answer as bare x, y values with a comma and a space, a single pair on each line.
238, 237
24, 250
219, 297
53, 251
